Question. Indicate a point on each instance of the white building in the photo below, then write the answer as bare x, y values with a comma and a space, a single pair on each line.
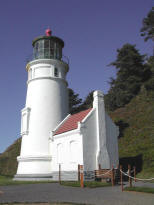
50, 136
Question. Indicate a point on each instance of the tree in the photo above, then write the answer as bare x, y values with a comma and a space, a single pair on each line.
149, 85
131, 73
147, 30
88, 102
150, 63
74, 101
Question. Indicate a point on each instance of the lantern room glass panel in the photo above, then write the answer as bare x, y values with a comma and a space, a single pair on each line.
47, 49
51, 49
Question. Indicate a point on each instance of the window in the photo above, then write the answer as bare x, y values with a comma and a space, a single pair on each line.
59, 153
25, 116
46, 44
58, 52
51, 49
36, 53
56, 72
74, 151
46, 48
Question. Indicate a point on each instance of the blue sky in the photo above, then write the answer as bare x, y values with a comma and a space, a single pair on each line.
92, 31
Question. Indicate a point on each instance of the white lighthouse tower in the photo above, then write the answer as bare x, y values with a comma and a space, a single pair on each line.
46, 106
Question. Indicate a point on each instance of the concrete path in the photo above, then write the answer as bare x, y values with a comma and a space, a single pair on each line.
53, 192
142, 184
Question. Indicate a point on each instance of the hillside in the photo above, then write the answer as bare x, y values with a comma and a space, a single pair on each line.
136, 140
8, 159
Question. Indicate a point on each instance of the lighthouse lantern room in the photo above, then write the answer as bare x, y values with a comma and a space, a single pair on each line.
48, 47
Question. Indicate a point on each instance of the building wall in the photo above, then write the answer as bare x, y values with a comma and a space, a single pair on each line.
112, 133
88, 129
66, 150
102, 154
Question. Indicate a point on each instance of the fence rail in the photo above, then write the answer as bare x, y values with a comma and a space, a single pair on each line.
115, 174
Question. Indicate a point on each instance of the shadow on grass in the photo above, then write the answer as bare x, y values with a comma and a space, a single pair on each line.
136, 161
122, 126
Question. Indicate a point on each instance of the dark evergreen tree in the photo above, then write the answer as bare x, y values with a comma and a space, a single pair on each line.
88, 102
74, 101
131, 73
149, 85
147, 30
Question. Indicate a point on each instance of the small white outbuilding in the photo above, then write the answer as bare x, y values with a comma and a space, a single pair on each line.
88, 138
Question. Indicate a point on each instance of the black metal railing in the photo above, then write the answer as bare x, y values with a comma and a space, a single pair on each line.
46, 56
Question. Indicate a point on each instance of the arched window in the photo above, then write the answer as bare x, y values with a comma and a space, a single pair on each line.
74, 150
59, 153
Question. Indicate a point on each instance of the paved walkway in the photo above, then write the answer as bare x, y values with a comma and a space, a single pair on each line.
143, 184
53, 192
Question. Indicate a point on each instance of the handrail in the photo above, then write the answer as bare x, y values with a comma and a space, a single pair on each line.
32, 57
135, 177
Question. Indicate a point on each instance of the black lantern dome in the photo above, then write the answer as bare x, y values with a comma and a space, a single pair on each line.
47, 47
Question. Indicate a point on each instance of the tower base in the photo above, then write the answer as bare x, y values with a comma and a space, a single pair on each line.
34, 168
33, 177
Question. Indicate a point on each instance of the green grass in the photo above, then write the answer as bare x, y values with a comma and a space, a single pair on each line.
89, 184
7, 180
140, 189
8, 159
138, 134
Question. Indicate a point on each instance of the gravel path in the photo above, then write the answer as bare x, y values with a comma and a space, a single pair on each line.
53, 192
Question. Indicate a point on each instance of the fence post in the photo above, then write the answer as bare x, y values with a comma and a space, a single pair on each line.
121, 180
59, 173
129, 173
99, 170
78, 172
112, 175
81, 177
117, 179
135, 174
99, 166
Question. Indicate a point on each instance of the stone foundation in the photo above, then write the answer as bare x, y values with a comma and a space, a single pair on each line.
54, 176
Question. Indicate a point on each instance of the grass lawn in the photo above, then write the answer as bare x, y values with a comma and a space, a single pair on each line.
90, 184
140, 189
7, 180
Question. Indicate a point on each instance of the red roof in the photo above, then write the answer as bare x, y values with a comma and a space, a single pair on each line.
72, 122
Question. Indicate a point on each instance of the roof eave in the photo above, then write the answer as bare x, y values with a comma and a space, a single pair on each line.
59, 125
